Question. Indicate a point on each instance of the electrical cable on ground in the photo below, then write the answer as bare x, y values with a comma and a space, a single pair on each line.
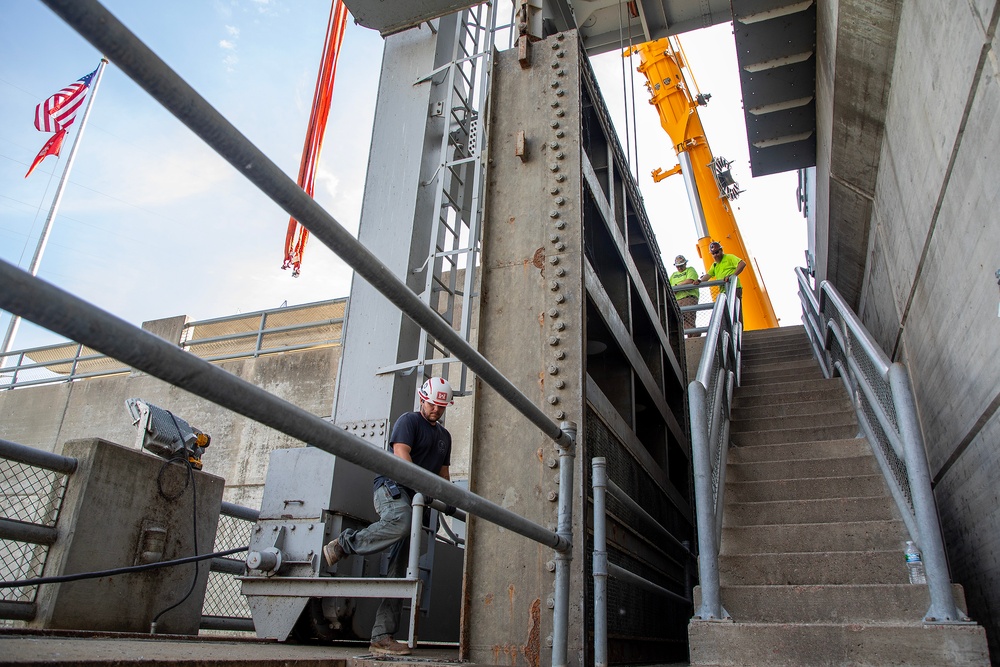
38, 581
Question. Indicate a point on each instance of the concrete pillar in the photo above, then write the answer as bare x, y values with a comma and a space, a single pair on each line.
122, 508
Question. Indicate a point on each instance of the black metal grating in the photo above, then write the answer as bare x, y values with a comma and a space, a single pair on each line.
639, 622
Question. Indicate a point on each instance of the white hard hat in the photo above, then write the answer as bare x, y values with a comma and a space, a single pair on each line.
436, 391
680, 260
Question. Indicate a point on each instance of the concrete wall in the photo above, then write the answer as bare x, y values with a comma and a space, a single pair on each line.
930, 295
47, 416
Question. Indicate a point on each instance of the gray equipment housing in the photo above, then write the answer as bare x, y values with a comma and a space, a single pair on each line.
310, 497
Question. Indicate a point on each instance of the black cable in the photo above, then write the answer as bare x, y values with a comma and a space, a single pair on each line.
120, 570
194, 520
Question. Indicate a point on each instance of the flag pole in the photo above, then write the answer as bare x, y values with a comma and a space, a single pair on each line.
15, 321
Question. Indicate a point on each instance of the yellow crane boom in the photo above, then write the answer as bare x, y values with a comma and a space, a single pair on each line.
708, 179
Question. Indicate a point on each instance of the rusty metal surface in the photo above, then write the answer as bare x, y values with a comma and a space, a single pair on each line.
532, 296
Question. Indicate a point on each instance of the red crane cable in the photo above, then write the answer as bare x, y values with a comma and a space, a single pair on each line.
297, 235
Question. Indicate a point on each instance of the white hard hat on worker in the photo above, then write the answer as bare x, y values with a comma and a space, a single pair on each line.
437, 391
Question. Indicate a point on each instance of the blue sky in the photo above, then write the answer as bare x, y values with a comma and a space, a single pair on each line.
153, 224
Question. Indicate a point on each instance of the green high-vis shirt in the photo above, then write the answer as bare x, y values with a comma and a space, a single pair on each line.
725, 268
679, 276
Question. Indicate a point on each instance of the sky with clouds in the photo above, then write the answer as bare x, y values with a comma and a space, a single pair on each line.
154, 224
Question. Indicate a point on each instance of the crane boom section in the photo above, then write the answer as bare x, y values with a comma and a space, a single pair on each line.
662, 63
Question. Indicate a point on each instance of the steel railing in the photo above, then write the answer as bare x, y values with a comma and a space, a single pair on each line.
220, 339
33, 486
63, 313
710, 396
883, 399
602, 569
696, 316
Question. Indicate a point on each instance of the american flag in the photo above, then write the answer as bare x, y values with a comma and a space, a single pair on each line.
59, 111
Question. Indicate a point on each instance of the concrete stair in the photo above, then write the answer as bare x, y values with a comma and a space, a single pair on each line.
811, 565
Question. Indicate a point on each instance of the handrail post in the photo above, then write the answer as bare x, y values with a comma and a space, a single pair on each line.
708, 552
564, 528
600, 482
416, 523
943, 608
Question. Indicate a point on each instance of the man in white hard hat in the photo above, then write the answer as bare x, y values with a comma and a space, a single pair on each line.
685, 275
420, 438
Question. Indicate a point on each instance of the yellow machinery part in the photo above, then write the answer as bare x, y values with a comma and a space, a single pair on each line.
661, 62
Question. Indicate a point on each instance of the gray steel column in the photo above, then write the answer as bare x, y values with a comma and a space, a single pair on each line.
396, 219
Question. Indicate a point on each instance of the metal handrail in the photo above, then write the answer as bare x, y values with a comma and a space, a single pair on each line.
843, 345
702, 305
59, 311
192, 345
709, 401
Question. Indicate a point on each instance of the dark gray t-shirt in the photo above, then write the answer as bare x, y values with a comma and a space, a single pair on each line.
430, 444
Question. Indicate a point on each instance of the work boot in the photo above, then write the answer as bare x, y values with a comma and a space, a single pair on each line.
388, 646
333, 552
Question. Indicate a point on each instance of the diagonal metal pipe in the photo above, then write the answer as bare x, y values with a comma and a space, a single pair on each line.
68, 315
108, 35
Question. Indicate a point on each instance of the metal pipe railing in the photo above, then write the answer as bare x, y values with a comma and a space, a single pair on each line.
38, 458
109, 36
70, 316
12, 374
599, 479
905, 439
58, 311
563, 559
718, 368
32, 533
240, 512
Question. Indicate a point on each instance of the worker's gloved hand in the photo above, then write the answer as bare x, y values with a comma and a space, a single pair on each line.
450, 510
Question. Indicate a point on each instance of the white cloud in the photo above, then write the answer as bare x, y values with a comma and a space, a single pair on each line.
226, 44
233, 31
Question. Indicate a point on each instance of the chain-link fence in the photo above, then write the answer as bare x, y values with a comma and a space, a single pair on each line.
223, 599
696, 303
32, 487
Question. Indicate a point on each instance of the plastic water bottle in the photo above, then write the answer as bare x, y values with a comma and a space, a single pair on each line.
914, 564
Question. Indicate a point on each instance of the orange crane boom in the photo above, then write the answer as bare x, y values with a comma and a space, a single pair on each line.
708, 179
